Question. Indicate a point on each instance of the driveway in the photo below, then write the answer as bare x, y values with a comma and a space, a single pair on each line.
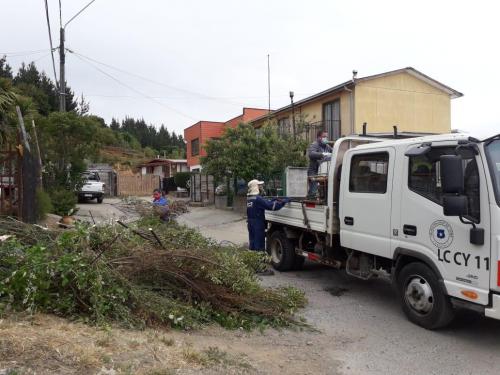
363, 330
100, 212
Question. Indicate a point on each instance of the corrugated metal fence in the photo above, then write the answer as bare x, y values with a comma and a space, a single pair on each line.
202, 188
137, 185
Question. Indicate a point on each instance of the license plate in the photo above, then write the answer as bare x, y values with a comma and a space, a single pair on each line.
88, 195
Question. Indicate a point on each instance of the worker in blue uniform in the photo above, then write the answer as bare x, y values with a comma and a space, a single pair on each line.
256, 207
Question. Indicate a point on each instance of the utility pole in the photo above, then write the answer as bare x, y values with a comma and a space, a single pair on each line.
62, 78
293, 114
62, 59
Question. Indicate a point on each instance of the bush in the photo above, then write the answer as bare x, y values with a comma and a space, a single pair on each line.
181, 179
64, 201
180, 279
43, 204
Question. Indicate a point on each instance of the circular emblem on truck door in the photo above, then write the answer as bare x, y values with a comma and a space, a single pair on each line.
441, 234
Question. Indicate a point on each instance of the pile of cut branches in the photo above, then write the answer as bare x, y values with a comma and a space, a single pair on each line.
147, 274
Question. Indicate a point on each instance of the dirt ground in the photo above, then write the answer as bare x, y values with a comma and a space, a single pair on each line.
44, 344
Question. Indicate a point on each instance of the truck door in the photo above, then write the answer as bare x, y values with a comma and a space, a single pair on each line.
445, 240
365, 201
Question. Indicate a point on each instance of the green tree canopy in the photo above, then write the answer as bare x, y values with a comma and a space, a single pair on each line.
67, 140
246, 153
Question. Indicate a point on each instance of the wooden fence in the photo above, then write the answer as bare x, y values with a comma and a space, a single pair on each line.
137, 185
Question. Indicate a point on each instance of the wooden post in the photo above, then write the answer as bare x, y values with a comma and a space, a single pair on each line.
40, 174
23, 129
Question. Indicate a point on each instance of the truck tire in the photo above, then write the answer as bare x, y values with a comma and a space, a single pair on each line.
100, 199
282, 251
422, 298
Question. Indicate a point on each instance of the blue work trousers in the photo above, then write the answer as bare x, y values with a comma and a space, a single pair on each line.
257, 234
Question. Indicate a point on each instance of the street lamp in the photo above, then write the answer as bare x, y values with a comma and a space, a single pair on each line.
62, 61
293, 114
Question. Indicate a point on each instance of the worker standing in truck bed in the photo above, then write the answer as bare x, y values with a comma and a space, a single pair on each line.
318, 151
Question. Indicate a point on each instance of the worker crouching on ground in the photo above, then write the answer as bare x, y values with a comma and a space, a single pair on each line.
160, 204
256, 207
318, 151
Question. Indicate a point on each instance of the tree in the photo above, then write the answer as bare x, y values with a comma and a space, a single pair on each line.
67, 141
5, 69
244, 153
115, 125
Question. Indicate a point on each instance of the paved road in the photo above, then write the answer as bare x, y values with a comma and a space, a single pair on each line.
365, 317
99, 211
220, 225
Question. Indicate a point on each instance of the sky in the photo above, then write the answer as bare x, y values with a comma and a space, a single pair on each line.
177, 62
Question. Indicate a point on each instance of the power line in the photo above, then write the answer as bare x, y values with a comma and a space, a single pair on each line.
156, 82
50, 40
133, 89
40, 58
23, 53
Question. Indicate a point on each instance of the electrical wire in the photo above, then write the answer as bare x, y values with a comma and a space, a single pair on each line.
50, 40
40, 58
23, 53
158, 83
132, 88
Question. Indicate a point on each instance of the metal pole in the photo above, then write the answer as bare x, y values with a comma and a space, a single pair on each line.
268, 86
293, 114
62, 78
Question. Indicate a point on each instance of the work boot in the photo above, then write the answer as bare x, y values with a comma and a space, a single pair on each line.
266, 272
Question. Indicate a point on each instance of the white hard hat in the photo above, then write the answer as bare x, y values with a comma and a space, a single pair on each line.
253, 187
255, 183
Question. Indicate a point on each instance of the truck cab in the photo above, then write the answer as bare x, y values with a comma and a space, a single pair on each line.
424, 210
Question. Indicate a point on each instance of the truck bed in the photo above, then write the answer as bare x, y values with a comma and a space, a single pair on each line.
293, 214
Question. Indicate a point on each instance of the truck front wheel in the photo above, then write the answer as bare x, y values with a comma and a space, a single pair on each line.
282, 251
422, 298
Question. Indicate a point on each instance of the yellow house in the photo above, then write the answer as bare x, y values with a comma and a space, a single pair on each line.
406, 98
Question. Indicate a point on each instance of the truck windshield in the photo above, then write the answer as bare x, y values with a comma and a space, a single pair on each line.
493, 154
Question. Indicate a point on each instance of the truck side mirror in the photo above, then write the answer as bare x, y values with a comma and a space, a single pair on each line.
452, 183
455, 205
452, 174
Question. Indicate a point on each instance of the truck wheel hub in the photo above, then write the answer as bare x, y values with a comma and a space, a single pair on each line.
276, 251
419, 295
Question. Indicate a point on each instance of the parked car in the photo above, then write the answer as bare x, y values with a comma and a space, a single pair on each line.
92, 188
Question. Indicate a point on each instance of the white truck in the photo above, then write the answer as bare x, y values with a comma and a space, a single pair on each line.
92, 188
425, 210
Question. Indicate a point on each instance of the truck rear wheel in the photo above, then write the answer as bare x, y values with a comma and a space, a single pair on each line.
100, 199
422, 298
282, 251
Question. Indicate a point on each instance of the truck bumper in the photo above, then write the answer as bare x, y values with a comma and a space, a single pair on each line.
494, 310
90, 194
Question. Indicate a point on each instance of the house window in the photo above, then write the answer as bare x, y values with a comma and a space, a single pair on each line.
195, 147
369, 173
424, 178
331, 119
284, 126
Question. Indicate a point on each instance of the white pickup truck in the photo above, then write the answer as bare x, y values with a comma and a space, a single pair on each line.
92, 187
425, 210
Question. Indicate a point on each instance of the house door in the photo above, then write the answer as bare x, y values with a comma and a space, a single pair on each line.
331, 119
